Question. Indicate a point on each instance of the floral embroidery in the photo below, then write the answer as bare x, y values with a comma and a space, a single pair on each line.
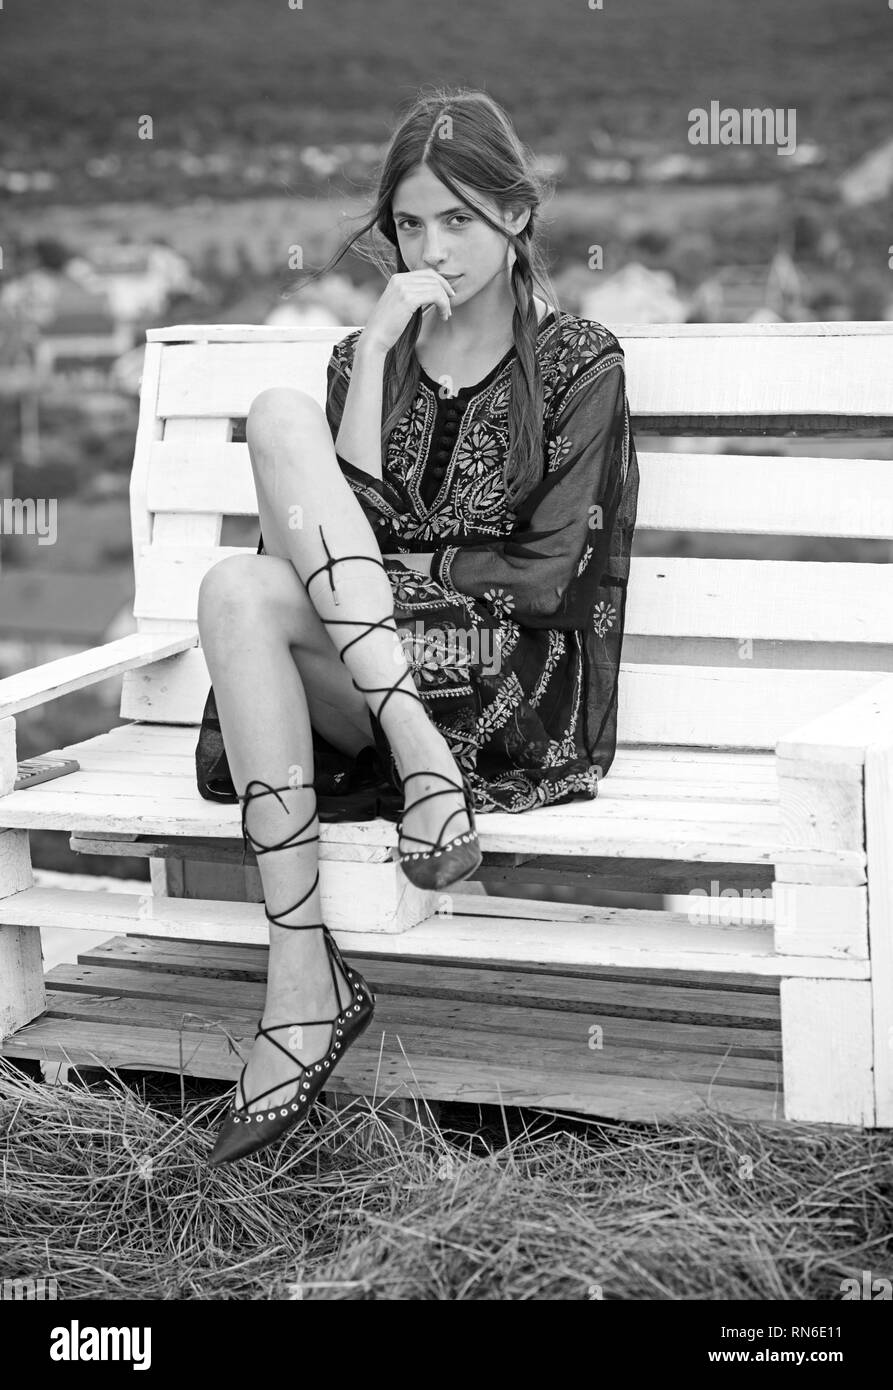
500, 602
479, 452
557, 451
587, 556
603, 617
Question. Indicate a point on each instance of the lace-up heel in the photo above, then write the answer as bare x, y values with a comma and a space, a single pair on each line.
242, 1132
441, 862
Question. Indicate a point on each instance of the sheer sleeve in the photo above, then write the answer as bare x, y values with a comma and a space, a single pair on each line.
373, 494
550, 566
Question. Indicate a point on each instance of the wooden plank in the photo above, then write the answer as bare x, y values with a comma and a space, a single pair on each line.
366, 1072
288, 333
659, 802
554, 933
724, 707
826, 1031
22, 994
879, 844
826, 920
821, 804
206, 851
631, 779
201, 528
836, 377
68, 673
842, 734
8, 759
668, 596
702, 708
149, 428
706, 997
737, 494
433, 1028
148, 741
206, 380
640, 836
684, 1019
198, 1002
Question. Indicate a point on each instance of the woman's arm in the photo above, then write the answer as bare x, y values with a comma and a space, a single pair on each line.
545, 573
359, 435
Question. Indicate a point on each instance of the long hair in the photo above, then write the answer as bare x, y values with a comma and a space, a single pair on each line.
465, 137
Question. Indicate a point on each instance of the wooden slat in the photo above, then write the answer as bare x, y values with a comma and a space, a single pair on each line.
660, 803
713, 999
149, 428
74, 994
370, 1072
54, 678
636, 836
826, 1025
879, 843
832, 377
560, 934
742, 494
470, 1031
718, 707
776, 600
623, 784
842, 735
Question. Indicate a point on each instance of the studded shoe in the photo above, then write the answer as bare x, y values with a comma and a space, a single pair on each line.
441, 862
243, 1132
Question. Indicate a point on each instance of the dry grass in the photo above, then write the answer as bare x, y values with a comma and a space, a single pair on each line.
109, 1191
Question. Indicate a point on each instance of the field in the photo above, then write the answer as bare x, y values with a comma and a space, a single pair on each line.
76, 77
470, 1203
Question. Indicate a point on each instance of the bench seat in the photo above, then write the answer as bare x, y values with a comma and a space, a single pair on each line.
753, 776
655, 803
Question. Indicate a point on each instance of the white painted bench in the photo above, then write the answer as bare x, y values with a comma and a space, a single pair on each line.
755, 747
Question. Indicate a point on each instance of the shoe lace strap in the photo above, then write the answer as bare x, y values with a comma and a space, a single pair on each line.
291, 841
373, 625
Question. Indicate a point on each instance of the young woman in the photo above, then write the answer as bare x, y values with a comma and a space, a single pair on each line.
438, 596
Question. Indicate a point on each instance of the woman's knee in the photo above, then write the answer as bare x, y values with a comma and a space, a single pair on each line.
242, 589
281, 414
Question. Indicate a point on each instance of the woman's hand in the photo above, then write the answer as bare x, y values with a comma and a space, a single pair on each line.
403, 295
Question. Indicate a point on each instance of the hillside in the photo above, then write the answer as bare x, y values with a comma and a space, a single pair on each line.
77, 76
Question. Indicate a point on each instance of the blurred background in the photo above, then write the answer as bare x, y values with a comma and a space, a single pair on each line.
159, 161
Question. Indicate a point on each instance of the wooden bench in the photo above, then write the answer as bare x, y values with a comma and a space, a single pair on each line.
755, 757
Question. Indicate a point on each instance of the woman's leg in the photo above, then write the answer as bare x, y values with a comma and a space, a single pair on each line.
254, 616
303, 497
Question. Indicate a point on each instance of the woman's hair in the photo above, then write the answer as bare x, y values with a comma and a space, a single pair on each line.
465, 137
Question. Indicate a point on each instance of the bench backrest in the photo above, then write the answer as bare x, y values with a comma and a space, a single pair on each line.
727, 652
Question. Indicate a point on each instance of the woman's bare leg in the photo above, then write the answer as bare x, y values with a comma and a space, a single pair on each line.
273, 664
301, 492
254, 617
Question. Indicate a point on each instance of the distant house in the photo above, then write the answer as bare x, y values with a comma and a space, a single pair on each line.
752, 294
635, 294
75, 330
136, 279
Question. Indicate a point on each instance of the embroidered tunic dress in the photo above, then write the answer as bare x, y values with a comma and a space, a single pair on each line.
515, 640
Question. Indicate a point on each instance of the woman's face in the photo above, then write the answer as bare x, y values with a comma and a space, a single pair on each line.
435, 231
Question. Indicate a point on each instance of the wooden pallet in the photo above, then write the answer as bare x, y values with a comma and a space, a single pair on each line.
669, 1043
